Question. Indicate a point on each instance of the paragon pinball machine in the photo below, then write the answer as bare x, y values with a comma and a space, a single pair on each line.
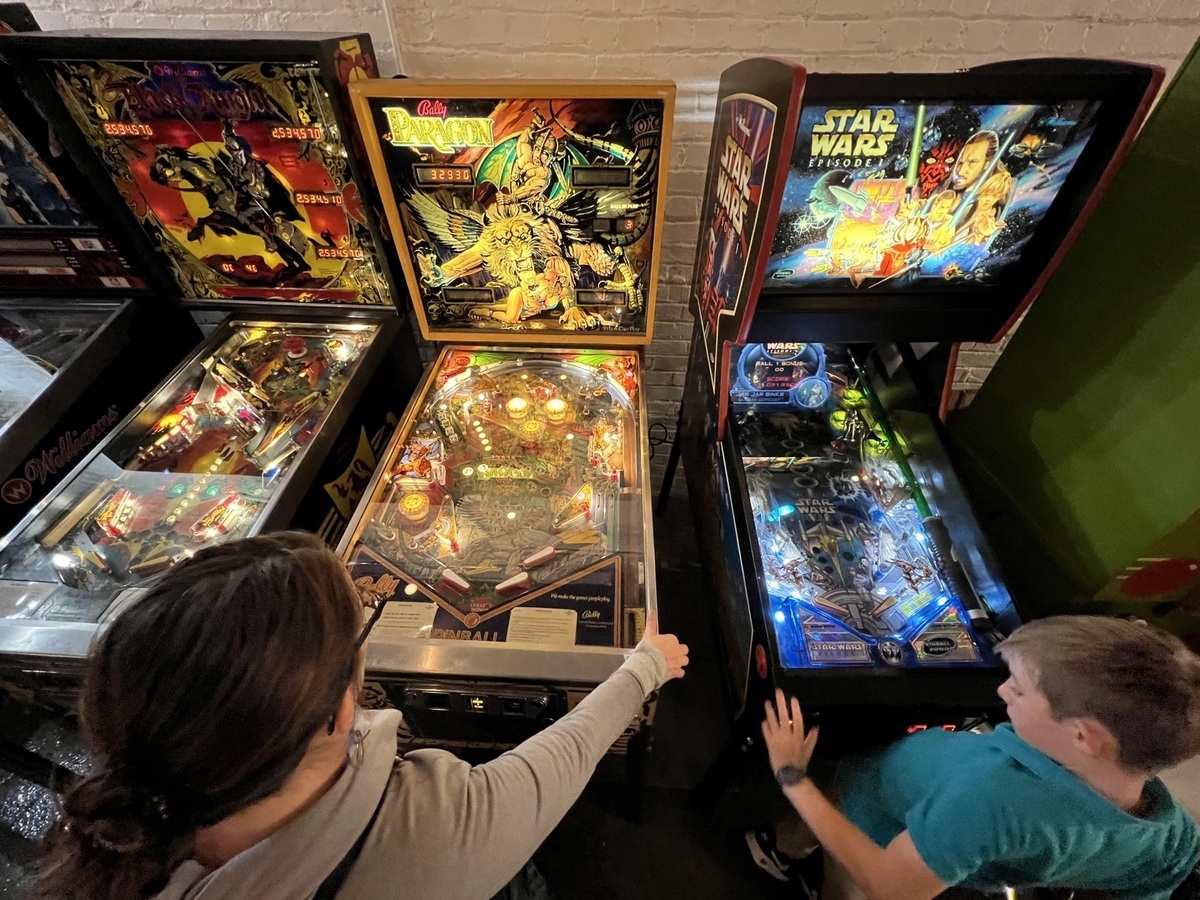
846, 216
70, 311
230, 160
508, 526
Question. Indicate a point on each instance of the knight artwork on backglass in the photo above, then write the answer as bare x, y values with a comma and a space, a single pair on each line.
868, 205
846, 561
526, 214
237, 171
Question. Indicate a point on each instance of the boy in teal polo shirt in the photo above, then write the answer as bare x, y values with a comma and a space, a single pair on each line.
1064, 796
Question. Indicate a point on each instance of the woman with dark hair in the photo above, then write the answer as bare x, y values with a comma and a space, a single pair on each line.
234, 761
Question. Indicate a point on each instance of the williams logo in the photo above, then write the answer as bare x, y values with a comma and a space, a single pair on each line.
441, 132
69, 447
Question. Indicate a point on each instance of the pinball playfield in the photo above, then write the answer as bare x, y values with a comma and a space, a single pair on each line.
201, 461
509, 508
853, 577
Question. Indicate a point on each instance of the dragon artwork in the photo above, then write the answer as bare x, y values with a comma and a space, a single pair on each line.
534, 237
236, 171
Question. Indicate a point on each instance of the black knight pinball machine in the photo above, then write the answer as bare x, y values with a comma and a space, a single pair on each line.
845, 216
507, 533
232, 162
71, 311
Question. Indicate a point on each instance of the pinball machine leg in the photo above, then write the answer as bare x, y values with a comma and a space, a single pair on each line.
726, 766
664, 493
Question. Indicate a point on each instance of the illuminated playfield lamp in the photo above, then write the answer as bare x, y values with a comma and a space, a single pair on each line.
518, 408
556, 410
415, 506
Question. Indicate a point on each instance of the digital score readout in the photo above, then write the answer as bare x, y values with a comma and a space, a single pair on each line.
319, 198
444, 176
128, 129
298, 133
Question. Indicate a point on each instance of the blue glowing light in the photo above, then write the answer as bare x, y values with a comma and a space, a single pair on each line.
785, 510
779, 617
943, 600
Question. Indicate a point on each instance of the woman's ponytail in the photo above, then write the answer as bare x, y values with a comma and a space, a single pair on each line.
115, 838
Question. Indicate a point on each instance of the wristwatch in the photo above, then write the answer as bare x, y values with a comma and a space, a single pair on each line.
790, 775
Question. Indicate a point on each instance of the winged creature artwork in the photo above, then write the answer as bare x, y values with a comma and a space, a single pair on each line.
534, 236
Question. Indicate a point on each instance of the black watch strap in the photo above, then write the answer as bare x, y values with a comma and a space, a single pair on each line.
790, 775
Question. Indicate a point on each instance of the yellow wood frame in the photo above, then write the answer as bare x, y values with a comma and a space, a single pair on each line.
362, 91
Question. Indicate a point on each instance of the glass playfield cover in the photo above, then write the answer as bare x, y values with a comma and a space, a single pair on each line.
510, 505
850, 570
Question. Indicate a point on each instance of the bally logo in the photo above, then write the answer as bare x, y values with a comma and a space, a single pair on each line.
372, 589
590, 614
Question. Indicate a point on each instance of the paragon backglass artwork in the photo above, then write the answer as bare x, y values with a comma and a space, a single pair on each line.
529, 214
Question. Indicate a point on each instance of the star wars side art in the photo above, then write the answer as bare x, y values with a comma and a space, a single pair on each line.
237, 171
526, 214
917, 195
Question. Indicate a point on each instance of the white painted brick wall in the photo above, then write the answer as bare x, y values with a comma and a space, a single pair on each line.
691, 42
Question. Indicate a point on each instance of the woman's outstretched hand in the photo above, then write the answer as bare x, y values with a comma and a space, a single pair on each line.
668, 645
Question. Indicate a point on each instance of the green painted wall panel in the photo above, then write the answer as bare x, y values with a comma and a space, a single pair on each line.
1083, 447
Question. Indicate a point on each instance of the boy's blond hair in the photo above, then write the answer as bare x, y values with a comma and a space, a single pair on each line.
1139, 682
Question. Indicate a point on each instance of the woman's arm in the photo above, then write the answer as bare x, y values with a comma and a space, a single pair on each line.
489, 819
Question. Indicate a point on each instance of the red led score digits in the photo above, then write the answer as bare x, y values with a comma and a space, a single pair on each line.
312, 199
128, 129
339, 253
298, 132
450, 175
444, 175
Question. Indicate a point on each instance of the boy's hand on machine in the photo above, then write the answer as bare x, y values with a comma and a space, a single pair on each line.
783, 732
668, 645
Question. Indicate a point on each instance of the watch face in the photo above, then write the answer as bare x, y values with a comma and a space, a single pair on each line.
789, 775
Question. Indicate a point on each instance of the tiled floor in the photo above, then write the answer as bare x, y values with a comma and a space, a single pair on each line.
596, 853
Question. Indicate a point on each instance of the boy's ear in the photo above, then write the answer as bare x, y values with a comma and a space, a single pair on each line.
1093, 739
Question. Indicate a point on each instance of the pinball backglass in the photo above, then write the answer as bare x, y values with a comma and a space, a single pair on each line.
921, 195
528, 211
238, 172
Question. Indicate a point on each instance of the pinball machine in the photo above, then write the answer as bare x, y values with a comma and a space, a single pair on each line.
847, 217
71, 308
231, 160
508, 526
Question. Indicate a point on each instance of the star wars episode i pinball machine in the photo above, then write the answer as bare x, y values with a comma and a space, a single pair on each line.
870, 211
231, 162
508, 525
70, 311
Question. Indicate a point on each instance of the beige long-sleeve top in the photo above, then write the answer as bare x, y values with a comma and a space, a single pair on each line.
446, 830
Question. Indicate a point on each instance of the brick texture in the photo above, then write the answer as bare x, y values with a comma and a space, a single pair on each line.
690, 42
